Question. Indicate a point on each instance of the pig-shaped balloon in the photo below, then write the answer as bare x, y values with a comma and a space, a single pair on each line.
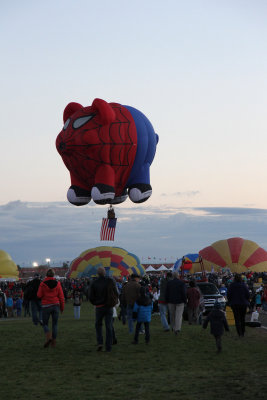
108, 149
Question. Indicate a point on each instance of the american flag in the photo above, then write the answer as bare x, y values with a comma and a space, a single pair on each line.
108, 228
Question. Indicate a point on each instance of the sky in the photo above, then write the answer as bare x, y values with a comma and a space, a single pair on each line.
196, 69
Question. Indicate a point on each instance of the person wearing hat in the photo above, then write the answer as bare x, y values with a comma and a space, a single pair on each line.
218, 324
130, 293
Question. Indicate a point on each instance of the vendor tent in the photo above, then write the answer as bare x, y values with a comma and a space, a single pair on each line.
162, 268
150, 269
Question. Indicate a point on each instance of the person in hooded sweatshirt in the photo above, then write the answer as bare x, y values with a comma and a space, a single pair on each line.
142, 313
218, 323
51, 294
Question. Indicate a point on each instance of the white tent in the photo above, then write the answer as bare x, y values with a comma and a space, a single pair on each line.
162, 268
150, 269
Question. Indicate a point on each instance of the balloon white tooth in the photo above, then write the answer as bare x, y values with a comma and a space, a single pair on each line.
77, 200
97, 195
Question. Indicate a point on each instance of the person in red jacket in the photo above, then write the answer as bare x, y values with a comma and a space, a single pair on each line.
51, 294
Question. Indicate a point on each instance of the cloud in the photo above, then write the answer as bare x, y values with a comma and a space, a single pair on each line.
233, 211
34, 231
189, 193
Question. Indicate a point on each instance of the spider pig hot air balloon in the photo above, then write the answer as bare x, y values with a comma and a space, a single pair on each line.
108, 149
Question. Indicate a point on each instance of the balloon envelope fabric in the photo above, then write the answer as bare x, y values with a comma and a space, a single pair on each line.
8, 268
189, 259
116, 261
235, 253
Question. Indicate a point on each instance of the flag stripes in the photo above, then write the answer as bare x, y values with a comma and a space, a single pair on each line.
108, 228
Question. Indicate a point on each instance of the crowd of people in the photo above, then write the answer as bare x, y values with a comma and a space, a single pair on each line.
134, 300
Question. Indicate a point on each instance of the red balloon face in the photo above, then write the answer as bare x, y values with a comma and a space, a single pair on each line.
90, 140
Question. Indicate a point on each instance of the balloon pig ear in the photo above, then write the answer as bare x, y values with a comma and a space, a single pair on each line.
106, 112
70, 109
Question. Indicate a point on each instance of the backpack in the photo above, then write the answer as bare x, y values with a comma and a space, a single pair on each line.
112, 294
76, 300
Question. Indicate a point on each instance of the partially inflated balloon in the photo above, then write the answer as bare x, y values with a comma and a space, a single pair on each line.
8, 269
235, 253
116, 261
187, 265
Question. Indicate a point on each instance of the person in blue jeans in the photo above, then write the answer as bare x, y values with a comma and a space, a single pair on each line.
9, 305
130, 293
142, 311
163, 305
30, 294
51, 294
19, 306
98, 297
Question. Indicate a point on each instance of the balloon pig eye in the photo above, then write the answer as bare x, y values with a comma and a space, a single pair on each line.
66, 124
82, 121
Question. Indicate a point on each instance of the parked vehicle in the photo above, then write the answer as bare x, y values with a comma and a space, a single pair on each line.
209, 294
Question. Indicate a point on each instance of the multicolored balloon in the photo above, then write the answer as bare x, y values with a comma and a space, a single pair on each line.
116, 261
188, 260
8, 269
235, 253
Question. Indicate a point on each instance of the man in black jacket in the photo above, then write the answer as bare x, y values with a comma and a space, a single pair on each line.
99, 298
30, 293
238, 298
175, 296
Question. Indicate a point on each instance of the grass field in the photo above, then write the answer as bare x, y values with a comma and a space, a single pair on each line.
170, 367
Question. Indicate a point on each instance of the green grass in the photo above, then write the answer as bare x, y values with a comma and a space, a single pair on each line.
170, 367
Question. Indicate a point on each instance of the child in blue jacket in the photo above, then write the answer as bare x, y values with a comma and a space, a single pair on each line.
142, 313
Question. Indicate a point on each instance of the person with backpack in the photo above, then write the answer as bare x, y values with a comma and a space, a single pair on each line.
142, 311
77, 301
104, 296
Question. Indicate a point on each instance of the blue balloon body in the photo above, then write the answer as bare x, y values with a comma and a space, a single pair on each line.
147, 141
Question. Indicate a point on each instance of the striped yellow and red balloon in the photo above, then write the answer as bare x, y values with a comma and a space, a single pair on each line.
117, 262
240, 255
